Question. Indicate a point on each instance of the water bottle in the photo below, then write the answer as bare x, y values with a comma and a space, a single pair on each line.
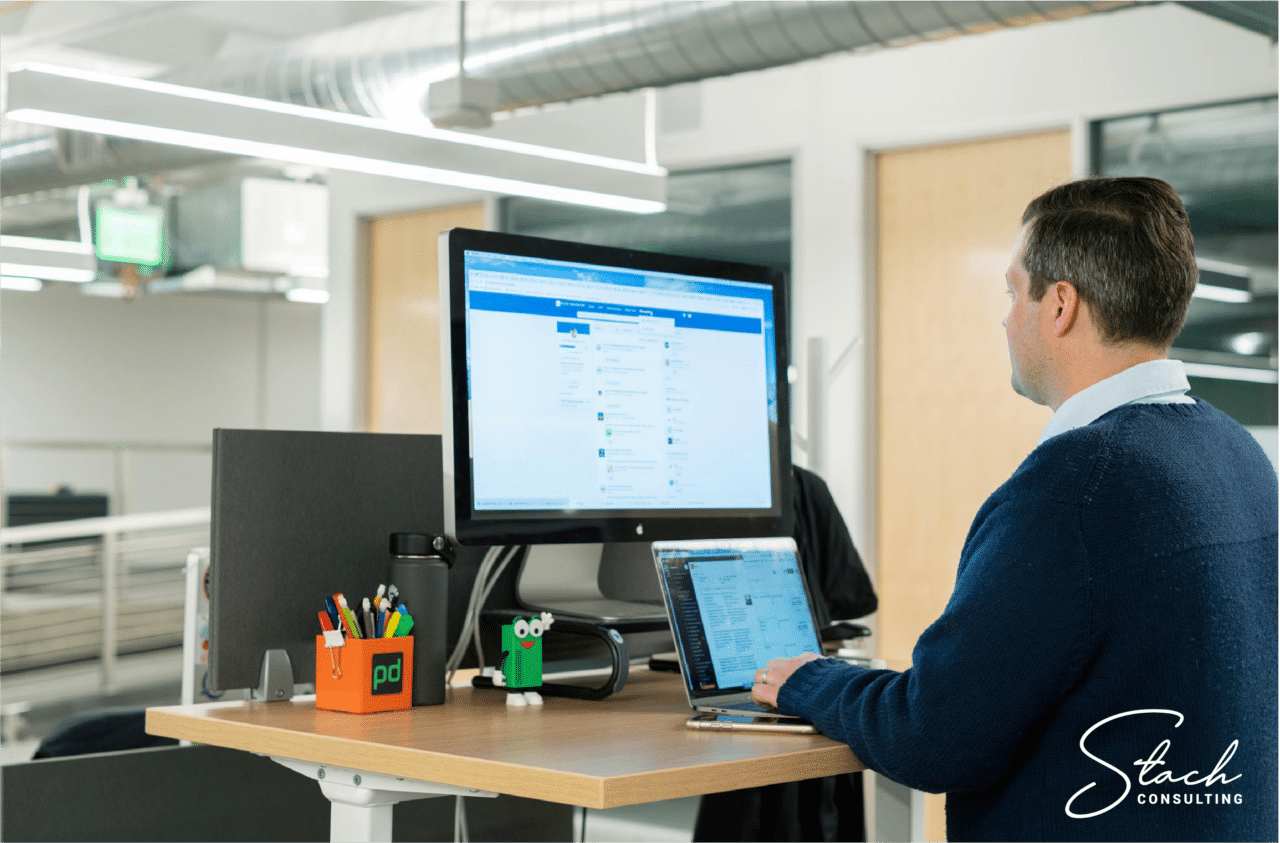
420, 570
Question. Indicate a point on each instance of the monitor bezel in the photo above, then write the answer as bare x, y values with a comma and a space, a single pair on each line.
461, 521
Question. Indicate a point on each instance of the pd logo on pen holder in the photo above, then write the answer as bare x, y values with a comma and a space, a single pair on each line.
364, 675
388, 670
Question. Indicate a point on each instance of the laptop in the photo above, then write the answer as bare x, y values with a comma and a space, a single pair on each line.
734, 604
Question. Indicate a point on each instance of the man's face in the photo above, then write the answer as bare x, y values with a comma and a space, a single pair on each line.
1022, 327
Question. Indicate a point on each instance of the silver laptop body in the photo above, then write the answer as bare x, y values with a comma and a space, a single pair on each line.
734, 604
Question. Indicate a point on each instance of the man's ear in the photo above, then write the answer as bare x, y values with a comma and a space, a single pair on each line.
1064, 305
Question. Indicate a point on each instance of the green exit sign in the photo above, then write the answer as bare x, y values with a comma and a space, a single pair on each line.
130, 234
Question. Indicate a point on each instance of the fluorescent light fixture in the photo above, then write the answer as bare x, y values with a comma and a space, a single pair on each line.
1231, 373
1227, 294
50, 260
307, 295
1236, 293
104, 289
24, 285
161, 112
1224, 267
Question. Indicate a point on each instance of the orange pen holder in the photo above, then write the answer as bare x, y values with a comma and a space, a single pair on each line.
364, 675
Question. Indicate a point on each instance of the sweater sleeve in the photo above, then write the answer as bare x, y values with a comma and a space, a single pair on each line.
1013, 639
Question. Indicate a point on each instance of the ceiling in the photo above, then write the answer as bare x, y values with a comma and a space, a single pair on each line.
149, 38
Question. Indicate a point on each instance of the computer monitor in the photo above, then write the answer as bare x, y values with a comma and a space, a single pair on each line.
597, 395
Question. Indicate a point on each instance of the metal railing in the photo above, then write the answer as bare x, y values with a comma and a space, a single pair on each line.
121, 454
95, 589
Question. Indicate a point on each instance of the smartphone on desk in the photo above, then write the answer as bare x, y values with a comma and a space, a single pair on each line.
748, 723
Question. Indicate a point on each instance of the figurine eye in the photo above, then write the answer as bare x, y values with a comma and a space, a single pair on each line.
535, 627
522, 628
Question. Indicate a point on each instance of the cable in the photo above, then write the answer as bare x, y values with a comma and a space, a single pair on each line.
497, 558
468, 618
484, 596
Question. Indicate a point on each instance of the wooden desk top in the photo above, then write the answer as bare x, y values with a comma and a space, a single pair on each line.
630, 748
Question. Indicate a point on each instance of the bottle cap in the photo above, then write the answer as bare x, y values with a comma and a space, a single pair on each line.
422, 545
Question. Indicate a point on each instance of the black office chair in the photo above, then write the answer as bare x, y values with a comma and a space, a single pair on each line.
828, 808
104, 730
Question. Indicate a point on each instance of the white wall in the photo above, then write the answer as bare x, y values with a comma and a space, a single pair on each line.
159, 369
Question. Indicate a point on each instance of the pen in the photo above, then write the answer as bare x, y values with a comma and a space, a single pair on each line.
325, 623
392, 623
393, 594
368, 619
331, 608
348, 619
382, 619
379, 597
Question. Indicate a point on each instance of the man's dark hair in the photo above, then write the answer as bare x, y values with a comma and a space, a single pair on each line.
1125, 245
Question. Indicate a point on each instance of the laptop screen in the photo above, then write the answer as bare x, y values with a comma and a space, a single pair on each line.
734, 606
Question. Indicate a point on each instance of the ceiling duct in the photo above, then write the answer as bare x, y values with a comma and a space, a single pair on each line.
534, 53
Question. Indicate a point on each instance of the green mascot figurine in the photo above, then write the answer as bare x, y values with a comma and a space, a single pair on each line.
520, 668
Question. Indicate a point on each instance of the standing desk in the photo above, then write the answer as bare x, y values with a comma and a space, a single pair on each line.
630, 748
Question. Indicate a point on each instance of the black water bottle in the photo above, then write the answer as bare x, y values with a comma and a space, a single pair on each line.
420, 570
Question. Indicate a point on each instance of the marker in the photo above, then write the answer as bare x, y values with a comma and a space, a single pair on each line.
392, 623
402, 610
325, 623
402, 628
331, 608
348, 619
368, 619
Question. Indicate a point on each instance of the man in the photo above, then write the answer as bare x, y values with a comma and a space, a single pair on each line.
1106, 666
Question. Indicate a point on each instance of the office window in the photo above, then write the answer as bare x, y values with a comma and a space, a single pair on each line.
1222, 161
729, 213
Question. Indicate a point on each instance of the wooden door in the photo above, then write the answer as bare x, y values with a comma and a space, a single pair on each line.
949, 429
404, 317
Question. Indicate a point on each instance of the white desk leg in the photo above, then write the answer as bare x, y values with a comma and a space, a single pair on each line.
353, 823
899, 812
361, 802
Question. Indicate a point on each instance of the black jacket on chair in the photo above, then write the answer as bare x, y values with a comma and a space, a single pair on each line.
828, 808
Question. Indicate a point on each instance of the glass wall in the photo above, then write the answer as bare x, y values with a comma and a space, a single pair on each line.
1222, 160
733, 213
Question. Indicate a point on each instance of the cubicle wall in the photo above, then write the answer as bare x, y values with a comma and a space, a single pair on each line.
208, 793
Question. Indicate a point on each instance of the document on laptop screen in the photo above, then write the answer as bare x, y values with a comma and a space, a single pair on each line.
752, 608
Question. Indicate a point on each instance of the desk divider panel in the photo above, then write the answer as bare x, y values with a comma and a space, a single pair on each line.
298, 515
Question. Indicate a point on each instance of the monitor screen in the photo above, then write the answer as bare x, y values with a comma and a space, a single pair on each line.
596, 394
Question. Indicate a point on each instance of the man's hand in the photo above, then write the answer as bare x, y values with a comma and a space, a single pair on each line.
769, 679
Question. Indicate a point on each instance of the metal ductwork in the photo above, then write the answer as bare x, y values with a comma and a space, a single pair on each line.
534, 53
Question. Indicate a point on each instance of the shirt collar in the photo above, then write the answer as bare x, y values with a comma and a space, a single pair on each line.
1151, 382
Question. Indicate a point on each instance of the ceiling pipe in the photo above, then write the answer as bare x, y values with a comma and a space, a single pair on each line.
534, 53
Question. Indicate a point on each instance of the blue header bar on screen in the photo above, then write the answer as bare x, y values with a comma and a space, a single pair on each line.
542, 306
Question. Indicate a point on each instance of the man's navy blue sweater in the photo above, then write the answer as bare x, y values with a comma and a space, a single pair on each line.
1106, 666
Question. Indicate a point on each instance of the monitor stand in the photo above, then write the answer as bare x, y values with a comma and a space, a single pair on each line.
564, 579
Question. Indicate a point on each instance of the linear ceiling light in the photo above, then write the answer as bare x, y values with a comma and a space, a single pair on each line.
1231, 373
25, 285
1223, 281
51, 260
174, 114
1227, 294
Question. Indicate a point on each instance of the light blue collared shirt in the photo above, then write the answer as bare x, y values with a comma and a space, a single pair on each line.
1153, 382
